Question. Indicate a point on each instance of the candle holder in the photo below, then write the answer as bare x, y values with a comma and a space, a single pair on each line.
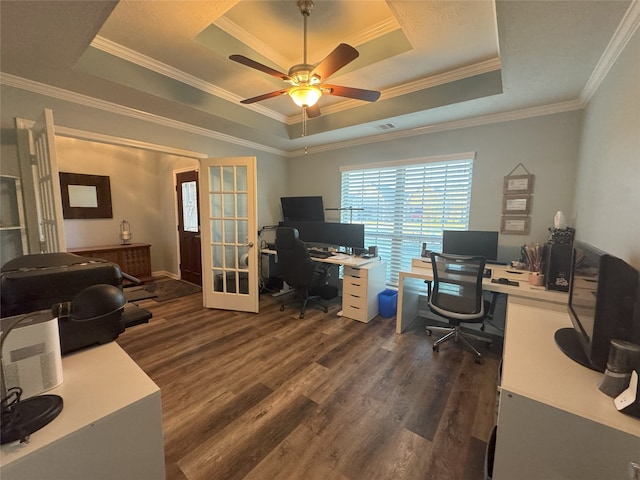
125, 232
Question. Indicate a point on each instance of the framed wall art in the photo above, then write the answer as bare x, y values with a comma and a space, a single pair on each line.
515, 225
85, 196
516, 204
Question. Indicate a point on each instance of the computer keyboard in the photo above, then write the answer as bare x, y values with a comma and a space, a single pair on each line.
319, 253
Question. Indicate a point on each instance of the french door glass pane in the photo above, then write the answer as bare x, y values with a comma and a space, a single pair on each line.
241, 178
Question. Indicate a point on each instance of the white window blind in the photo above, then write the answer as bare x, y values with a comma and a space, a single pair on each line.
402, 206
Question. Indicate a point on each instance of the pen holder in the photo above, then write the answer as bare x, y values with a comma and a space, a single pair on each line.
536, 279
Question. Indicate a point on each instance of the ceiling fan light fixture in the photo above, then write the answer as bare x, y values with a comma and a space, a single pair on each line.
305, 95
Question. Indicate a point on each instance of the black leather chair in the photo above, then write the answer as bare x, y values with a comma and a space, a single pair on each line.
457, 296
305, 276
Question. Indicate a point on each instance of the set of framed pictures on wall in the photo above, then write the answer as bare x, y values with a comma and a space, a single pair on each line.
516, 203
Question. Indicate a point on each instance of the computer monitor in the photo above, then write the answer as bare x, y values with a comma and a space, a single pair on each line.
306, 209
308, 232
604, 304
349, 235
333, 234
471, 242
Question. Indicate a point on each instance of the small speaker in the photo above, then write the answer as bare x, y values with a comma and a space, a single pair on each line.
373, 251
623, 358
558, 266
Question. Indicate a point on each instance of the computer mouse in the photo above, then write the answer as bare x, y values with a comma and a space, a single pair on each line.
503, 280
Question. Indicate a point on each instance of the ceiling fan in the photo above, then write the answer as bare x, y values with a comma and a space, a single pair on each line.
307, 81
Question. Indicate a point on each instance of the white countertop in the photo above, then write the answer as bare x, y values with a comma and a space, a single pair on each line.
98, 381
547, 375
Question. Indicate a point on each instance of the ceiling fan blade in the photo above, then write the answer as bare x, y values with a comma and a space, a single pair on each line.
259, 66
265, 96
341, 56
313, 111
350, 92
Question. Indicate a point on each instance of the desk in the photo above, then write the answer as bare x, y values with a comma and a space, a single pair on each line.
553, 421
337, 259
364, 279
110, 425
411, 285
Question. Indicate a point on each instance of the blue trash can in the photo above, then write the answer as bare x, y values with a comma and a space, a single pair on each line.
388, 303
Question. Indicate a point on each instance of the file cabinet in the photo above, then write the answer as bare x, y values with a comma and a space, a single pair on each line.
360, 288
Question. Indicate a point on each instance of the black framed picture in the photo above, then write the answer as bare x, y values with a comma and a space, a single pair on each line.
85, 196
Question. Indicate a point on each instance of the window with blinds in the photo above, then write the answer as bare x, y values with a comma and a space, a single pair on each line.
405, 205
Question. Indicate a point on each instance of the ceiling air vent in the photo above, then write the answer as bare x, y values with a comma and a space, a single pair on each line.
385, 126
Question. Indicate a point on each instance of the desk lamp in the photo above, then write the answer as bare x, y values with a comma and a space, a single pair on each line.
20, 418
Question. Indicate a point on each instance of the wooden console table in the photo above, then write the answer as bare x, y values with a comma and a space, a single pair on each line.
134, 259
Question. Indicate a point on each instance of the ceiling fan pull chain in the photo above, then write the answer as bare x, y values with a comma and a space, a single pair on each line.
304, 121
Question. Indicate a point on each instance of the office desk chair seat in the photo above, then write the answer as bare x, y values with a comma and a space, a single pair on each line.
457, 296
307, 278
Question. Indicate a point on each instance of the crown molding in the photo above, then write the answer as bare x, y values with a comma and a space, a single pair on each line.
252, 42
149, 63
422, 84
72, 97
86, 101
445, 126
621, 37
124, 53
257, 45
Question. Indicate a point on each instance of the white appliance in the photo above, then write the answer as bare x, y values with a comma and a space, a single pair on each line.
31, 356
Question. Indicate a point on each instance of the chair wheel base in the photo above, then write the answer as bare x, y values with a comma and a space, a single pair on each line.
301, 315
428, 332
479, 360
282, 308
436, 348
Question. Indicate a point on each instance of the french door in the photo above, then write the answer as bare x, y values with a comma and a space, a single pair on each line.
228, 209
46, 181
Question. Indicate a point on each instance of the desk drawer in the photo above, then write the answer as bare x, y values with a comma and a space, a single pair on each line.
355, 301
356, 272
354, 312
354, 286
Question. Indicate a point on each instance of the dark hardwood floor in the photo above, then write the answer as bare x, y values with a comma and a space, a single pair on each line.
270, 396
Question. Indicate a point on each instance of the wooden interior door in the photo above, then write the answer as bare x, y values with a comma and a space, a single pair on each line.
187, 188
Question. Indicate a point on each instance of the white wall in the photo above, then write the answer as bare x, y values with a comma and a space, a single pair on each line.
607, 204
547, 146
141, 193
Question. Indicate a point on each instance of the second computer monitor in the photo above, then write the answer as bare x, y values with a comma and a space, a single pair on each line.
471, 242
349, 235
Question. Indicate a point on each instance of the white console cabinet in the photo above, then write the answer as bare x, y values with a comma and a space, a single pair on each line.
360, 288
553, 421
110, 426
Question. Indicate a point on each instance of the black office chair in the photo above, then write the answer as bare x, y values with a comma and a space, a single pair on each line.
306, 277
457, 296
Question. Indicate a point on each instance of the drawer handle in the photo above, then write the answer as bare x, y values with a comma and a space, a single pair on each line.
356, 284
353, 306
